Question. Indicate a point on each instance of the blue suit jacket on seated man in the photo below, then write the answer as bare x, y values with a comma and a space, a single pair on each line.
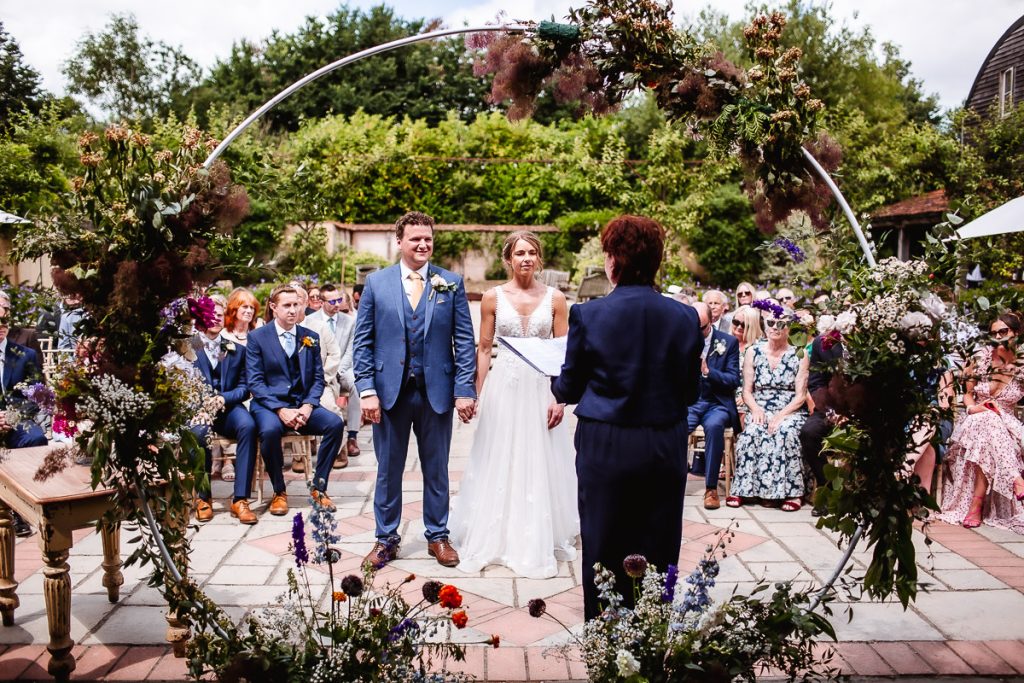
19, 364
278, 380
715, 409
228, 381
418, 360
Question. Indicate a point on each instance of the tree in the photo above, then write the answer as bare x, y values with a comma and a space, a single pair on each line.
128, 75
20, 87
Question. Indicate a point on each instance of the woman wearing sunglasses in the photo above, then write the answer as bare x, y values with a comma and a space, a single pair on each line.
985, 460
768, 457
746, 327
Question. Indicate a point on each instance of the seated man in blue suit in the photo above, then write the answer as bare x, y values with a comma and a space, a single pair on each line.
715, 409
285, 374
222, 364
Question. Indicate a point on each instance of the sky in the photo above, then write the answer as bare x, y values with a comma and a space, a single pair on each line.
945, 40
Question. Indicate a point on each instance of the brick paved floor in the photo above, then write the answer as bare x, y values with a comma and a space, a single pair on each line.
967, 624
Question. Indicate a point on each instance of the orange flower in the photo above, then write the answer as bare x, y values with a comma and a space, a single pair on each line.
307, 341
460, 619
339, 596
450, 597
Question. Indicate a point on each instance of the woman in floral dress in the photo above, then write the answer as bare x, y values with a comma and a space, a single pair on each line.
768, 460
984, 461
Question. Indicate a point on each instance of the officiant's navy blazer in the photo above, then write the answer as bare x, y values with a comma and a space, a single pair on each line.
632, 358
449, 356
231, 371
266, 368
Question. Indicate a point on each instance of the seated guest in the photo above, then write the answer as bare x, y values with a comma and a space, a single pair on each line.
746, 327
818, 425
744, 294
222, 364
715, 409
335, 313
768, 463
239, 320
930, 438
313, 300
23, 336
718, 304
786, 297
985, 459
285, 374
357, 293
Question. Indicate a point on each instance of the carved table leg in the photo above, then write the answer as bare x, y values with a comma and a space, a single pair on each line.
112, 577
8, 586
57, 591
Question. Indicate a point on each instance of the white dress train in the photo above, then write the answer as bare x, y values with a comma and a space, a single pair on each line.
517, 502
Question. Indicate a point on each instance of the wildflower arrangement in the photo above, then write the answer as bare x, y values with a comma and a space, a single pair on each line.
348, 630
133, 244
31, 401
763, 114
677, 632
896, 335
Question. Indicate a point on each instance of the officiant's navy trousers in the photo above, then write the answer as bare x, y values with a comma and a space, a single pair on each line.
412, 412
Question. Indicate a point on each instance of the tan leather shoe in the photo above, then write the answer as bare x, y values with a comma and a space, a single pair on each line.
711, 501
341, 460
279, 504
204, 511
321, 499
240, 510
381, 554
352, 447
443, 552
297, 464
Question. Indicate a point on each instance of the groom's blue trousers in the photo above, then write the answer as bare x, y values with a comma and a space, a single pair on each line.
412, 412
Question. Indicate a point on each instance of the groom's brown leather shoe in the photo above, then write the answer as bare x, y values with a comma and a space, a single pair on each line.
443, 551
381, 554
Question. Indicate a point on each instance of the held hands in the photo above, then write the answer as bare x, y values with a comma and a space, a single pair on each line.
295, 418
466, 407
556, 411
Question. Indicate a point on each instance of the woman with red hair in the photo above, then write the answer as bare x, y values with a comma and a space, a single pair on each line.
631, 367
239, 320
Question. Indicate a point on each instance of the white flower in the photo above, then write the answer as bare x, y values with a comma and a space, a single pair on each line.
933, 306
826, 323
720, 347
916, 325
437, 281
626, 663
846, 321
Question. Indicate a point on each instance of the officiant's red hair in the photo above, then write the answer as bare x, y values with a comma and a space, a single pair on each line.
636, 245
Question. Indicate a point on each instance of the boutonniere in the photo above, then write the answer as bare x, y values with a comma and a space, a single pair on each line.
308, 343
720, 347
439, 284
226, 347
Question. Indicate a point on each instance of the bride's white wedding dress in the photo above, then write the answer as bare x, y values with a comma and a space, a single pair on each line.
517, 502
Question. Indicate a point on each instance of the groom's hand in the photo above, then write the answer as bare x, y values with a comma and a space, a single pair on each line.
466, 408
371, 409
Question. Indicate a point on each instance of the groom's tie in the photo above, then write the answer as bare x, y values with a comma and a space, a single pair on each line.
415, 289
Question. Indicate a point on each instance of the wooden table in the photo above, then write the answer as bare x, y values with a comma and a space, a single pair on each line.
56, 507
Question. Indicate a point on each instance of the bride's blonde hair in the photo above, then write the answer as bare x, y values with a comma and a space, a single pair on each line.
510, 244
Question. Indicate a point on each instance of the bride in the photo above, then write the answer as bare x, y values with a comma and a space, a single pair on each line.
517, 500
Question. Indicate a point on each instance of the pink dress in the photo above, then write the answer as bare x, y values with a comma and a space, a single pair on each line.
993, 442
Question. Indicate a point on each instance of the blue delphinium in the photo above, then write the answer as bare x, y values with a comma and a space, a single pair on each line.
398, 630
790, 247
668, 594
325, 531
697, 597
299, 541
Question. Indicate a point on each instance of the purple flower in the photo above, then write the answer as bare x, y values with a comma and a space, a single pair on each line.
795, 252
299, 541
635, 566
400, 629
432, 591
352, 585
204, 312
775, 309
671, 576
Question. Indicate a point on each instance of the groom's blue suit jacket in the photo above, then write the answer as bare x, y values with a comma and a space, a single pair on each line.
380, 349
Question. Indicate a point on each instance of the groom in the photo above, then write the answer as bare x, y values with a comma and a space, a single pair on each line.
415, 359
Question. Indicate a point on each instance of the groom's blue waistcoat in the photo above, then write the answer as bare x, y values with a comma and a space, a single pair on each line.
414, 322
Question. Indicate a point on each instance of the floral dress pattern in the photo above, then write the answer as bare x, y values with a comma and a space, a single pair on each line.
770, 465
991, 441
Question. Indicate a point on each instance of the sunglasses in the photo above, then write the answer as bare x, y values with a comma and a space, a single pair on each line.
335, 302
1001, 332
744, 294
786, 298
314, 297
737, 323
776, 323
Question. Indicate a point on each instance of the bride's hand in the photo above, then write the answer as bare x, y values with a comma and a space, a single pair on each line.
556, 411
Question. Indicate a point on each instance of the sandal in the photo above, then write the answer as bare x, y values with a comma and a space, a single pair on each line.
733, 501
791, 505
1018, 489
973, 518
228, 473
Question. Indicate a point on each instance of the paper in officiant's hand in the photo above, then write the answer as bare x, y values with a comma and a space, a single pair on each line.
546, 356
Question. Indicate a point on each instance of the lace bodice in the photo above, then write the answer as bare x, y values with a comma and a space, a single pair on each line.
508, 322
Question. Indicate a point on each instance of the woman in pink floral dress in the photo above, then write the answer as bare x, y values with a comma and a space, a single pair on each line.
985, 459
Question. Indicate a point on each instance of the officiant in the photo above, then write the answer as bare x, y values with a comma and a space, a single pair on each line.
632, 366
